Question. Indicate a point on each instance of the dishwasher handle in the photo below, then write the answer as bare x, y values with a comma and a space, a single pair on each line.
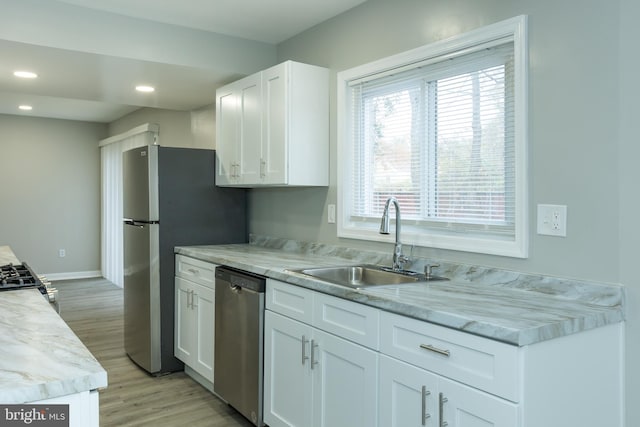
241, 280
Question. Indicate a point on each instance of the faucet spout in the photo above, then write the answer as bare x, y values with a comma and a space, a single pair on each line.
398, 258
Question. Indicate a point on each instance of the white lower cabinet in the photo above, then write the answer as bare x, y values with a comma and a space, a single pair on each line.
195, 318
413, 397
331, 362
313, 378
287, 372
344, 382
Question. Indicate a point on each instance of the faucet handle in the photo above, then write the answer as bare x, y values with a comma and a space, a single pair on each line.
428, 269
402, 259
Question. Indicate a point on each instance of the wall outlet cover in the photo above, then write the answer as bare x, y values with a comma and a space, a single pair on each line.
552, 220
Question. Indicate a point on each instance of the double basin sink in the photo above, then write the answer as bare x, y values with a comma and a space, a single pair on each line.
366, 276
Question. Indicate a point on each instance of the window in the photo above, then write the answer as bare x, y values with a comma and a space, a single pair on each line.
443, 129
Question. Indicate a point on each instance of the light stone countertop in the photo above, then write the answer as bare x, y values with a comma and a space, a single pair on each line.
40, 356
507, 306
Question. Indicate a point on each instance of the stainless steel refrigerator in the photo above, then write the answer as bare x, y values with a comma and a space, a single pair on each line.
170, 199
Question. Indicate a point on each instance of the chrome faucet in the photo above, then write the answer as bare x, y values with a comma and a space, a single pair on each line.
398, 258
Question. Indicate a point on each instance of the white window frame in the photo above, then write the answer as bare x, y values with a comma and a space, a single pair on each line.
514, 246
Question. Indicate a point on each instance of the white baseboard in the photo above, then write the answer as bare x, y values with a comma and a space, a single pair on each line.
73, 275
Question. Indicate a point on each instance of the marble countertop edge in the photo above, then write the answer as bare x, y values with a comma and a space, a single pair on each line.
19, 394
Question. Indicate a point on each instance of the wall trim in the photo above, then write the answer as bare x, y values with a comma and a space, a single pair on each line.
147, 127
73, 275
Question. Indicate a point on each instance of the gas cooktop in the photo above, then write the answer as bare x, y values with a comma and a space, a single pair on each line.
20, 276
16, 276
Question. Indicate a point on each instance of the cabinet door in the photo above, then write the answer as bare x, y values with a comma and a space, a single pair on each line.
275, 136
185, 322
411, 396
227, 135
287, 374
204, 313
408, 395
345, 383
239, 131
463, 406
250, 109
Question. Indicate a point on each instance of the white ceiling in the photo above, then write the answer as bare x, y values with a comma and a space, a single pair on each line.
90, 54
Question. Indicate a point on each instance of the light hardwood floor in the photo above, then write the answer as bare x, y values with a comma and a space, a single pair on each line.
93, 310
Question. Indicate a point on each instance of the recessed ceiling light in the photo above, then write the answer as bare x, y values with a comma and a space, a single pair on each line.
26, 107
25, 74
143, 88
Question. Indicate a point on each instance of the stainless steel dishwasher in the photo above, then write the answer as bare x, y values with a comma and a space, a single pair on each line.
239, 336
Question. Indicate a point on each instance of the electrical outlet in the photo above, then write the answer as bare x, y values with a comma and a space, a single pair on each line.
62, 253
552, 220
331, 214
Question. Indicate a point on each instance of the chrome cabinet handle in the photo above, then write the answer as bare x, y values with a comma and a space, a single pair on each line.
425, 415
441, 401
193, 271
440, 351
304, 349
313, 347
263, 167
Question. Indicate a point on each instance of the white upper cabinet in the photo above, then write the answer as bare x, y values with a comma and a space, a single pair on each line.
272, 128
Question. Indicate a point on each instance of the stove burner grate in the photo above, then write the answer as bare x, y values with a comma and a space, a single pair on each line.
17, 276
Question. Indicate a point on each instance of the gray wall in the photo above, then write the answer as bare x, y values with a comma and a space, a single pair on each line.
572, 153
583, 133
187, 129
628, 192
50, 176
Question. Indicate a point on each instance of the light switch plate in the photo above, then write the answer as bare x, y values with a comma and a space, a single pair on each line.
552, 220
331, 214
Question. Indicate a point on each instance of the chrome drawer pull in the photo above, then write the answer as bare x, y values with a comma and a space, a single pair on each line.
440, 351
441, 401
192, 271
304, 349
313, 347
425, 414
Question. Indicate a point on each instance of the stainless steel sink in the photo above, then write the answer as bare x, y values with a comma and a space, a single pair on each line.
362, 276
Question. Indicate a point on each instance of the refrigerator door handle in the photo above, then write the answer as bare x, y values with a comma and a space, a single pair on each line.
136, 223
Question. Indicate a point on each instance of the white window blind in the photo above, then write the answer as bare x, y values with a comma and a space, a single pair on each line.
440, 139
445, 134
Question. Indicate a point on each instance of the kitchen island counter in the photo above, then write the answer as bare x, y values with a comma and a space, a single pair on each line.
511, 307
40, 356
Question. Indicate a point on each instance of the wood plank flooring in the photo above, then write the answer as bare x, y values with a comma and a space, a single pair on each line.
93, 309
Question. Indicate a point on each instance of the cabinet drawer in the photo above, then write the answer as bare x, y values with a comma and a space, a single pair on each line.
350, 320
478, 362
197, 271
290, 300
